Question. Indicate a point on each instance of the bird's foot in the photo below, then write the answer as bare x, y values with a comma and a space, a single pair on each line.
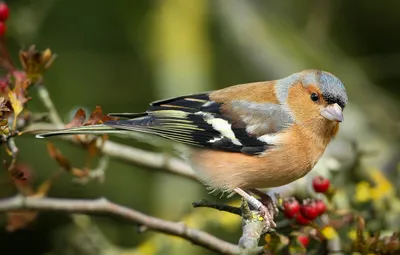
266, 207
267, 212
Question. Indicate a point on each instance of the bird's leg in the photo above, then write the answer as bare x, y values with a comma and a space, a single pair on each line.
266, 200
266, 211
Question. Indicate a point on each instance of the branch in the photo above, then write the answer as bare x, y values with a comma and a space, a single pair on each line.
252, 225
103, 206
43, 94
220, 207
131, 155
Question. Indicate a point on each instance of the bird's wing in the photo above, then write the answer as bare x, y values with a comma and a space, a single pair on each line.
197, 120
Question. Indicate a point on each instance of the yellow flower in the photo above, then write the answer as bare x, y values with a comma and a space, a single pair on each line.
363, 192
383, 187
329, 232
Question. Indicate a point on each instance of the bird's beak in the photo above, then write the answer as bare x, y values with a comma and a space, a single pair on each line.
332, 112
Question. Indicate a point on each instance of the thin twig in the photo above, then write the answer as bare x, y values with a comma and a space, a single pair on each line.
220, 207
97, 173
13, 149
48, 103
104, 206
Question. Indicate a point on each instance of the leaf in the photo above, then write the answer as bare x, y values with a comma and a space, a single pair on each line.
4, 113
80, 173
275, 242
4, 106
78, 119
44, 188
17, 220
16, 104
359, 244
18, 98
21, 176
95, 117
373, 242
360, 230
56, 154
106, 118
92, 148
35, 63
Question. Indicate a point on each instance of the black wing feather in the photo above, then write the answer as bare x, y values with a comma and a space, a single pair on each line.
186, 119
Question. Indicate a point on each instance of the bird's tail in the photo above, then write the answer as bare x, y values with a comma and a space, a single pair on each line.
92, 129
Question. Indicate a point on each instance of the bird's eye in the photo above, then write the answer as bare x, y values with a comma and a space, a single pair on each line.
314, 97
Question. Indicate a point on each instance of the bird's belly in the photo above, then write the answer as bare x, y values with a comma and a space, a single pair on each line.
226, 171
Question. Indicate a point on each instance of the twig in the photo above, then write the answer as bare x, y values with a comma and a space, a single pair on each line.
13, 150
12, 146
96, 173
45, 97
132, 155
220, 207
104, 206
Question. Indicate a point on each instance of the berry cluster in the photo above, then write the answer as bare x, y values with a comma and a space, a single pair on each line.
4, 12
309, 210
304, 213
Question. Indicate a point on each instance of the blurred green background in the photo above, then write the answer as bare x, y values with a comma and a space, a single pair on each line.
123, 54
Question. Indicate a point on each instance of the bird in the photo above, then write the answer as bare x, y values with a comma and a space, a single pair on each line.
244, 137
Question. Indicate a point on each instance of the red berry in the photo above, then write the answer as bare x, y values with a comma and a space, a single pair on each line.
309, 210
3, 28
4, 11
304, 240
291, 207
321, 207
320, 184
300, 219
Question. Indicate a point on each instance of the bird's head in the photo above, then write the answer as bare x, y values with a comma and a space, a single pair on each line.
313, 94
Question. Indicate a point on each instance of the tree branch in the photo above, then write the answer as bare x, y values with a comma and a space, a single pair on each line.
220, 207
103, 206
252, 225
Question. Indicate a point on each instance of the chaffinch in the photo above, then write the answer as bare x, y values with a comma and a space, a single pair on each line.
254, 135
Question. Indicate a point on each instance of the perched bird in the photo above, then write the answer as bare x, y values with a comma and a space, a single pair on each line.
255, 135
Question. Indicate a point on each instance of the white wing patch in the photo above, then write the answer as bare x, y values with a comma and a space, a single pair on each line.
221, 126
269, 139
215, 139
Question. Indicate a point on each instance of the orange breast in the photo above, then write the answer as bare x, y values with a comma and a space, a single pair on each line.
281, 165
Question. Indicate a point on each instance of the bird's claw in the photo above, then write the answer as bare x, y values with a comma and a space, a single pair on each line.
268, 212
266, 207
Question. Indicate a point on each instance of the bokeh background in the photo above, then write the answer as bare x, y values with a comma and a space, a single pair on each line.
123, 54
